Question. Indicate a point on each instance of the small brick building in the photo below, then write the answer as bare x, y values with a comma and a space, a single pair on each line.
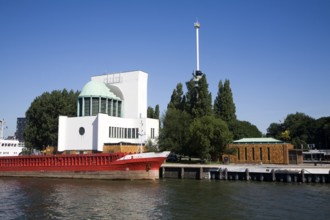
263, 150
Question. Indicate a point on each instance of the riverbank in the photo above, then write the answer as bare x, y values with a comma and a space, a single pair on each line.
304, 173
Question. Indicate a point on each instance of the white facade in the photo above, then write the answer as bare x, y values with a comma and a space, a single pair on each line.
133, 86
132, 127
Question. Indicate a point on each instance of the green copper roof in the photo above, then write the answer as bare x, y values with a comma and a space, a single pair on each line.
257, 141
97, 89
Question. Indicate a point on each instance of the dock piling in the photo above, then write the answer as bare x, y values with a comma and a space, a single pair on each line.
247, 176
273, 175
226, 174
302, 175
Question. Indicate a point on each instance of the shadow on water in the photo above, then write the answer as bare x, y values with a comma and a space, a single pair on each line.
32, 198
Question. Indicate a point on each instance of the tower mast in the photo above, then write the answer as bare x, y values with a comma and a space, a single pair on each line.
198, 73
197, 26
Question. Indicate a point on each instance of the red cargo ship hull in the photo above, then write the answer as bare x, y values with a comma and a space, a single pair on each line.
92, 166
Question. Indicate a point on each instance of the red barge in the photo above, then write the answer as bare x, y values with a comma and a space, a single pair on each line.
86, 166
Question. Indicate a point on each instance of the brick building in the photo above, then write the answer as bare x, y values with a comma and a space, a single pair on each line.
263, 150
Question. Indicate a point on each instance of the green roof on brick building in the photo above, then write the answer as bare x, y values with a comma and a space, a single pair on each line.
258, 141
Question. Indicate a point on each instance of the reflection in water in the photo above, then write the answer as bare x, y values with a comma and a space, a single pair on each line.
32, 198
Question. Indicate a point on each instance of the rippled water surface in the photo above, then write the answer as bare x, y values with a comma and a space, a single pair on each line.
34, 198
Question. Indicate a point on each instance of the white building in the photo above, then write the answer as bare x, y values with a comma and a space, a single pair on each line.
111, 109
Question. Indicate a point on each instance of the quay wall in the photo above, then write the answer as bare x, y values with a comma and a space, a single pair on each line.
247, 172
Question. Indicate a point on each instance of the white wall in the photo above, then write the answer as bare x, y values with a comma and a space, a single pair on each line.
97, 131
69, 137
134, 86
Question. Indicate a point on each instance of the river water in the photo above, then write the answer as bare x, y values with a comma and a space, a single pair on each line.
41, 198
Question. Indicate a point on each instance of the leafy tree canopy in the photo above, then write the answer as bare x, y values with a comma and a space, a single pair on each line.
177, 98
243, 129
224, 106
302, 130
174, 134
198, 99
42, 117
208, 137
153, 113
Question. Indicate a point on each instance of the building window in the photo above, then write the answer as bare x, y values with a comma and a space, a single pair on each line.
119, 109
152, 133
268, 152
260, 153
252, 153
95, 106
133, 133
238, 154
245, 154
87, 105
114, 108
103, 105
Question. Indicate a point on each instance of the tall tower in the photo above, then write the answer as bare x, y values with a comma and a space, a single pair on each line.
197, 26
197, 73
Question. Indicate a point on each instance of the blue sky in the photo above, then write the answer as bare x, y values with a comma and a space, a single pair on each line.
276, 54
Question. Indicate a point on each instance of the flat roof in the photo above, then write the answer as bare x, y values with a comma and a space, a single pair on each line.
257, 141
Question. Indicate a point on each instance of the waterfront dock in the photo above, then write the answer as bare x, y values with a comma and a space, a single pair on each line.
305, 173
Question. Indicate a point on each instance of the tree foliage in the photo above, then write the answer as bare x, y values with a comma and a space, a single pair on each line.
189, 125
302, 130
175, 133
225, 109
243, 129
153, 113
322, 132
224, 106
177, 98
198, 99
208, 137
42, 117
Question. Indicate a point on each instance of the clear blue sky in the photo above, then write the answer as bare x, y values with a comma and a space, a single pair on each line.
276, 54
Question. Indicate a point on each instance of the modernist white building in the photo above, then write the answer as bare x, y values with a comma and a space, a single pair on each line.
111, 109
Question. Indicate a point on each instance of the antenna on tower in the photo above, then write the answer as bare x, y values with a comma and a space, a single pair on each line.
197, 73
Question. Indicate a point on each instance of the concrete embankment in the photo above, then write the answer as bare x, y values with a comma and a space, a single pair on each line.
306, 173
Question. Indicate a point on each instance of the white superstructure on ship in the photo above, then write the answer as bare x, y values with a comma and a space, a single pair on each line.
8, 147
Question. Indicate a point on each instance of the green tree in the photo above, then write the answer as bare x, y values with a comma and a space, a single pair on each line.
224, 106
150, 112
208, 137
243, 129
153, 112
300, 128
156, 113
174, 134
177, 98
322, 134
42, 117
274, 130
198, 98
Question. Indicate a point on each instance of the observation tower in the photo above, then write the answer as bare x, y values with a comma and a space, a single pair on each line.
197, 74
